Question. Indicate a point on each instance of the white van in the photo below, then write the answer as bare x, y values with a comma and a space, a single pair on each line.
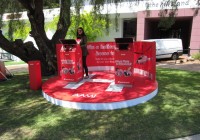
168, 48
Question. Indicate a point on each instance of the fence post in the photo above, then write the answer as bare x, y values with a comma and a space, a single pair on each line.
189, 51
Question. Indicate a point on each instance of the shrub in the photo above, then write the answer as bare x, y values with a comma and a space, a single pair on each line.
196, 56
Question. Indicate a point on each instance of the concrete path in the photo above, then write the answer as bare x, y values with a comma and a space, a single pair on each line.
194, 137
17, 68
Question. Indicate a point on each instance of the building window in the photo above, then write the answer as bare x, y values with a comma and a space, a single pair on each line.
129, 28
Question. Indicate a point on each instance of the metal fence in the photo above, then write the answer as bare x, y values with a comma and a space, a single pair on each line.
6, 56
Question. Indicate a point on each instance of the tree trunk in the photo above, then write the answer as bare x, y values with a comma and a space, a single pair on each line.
46, 51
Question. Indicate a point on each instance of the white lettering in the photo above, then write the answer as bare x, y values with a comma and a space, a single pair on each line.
91, 47
123, 63
102, 53
68, 61
85, 95
107, 46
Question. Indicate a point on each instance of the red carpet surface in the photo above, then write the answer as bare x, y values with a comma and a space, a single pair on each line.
99, 92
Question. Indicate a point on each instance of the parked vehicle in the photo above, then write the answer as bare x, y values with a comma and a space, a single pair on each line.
168, 48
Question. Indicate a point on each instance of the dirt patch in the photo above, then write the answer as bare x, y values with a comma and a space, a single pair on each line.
17, 68
184, 63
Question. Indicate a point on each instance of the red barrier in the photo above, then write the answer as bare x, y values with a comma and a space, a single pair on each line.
35, 76
2, 71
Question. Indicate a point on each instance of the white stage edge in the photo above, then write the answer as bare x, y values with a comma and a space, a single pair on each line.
101, 106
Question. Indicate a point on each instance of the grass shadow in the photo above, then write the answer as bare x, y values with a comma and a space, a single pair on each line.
174, 112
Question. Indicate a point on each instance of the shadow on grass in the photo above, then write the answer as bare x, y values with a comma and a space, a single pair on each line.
174, 112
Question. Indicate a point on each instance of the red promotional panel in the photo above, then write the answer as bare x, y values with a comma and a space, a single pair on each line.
124, 61
123, 67
101, 53
145, 59
35, 75
69, 62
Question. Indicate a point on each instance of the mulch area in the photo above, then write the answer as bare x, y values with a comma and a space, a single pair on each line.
183, 64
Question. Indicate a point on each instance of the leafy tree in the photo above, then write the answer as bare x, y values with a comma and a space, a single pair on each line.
46, 48
93, 26
20, 29
46, 51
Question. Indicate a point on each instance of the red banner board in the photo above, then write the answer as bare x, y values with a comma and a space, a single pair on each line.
139, 59
101, 54
145, 59
124, 67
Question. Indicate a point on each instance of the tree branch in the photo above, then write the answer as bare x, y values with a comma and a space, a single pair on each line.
64, 21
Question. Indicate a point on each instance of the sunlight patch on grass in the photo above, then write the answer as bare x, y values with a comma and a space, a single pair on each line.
46, 120
149, 109
173, 112
7, 63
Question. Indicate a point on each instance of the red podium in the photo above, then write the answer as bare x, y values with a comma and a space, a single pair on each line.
69, 59
35, 75
124, 61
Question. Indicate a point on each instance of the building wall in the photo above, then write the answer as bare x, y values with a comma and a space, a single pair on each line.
184, 13
112, 31
137, 10
195, 34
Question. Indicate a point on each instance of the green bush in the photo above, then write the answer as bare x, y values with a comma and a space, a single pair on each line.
196, 56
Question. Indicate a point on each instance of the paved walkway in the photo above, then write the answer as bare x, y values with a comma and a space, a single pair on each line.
194, 137
188, 66
17, 68
184, 63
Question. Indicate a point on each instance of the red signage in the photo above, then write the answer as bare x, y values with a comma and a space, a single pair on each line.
69, 63
123, 67
101, 54
145, 59
139, 59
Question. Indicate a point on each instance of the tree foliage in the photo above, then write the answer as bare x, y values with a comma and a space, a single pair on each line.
46, 52
93, 26
168, 17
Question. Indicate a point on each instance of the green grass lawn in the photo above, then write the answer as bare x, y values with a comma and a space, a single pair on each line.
7, 63
174, 112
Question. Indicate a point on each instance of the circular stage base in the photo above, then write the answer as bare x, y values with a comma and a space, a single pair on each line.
99, 92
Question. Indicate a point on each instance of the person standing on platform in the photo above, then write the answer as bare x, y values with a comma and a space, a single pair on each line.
82, 40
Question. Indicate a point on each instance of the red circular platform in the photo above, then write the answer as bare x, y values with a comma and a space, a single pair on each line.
99, 92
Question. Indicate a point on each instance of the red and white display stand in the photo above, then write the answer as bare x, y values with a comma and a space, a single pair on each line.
105, 89
69, 59
124, 61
